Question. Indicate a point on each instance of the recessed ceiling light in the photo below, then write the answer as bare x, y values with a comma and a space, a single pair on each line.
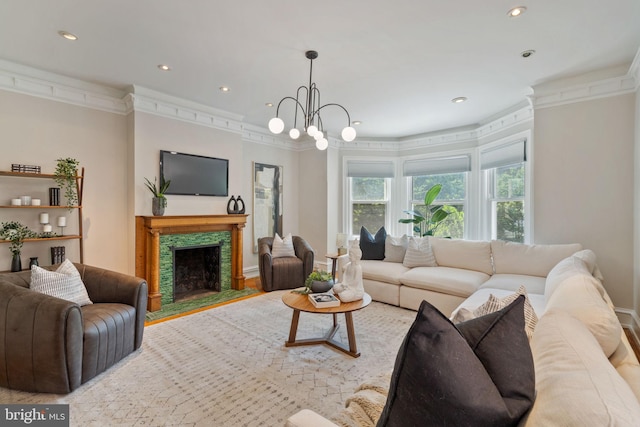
527, 53
516, 11
356, 122
269, 104
67, 35
164, 67
459, 100
224, 89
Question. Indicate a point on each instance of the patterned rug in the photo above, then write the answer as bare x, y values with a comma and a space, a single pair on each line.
228, 366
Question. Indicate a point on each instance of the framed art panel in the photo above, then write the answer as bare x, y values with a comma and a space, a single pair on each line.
267, 201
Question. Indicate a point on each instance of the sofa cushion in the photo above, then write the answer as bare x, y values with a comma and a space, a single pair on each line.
576, 385
532, 260
372, 247
578, 296
467, 254
282, 247
479, 374
389, 272
482, 295
419, 253
395, 248
511, 282
64, 283
453, 281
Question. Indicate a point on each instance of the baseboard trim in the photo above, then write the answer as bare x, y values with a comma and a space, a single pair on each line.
629, 319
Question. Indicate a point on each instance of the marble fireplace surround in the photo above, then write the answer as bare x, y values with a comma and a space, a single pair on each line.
149, 229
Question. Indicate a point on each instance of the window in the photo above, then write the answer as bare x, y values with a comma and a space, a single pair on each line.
504, 169
369, 194
451, 172
453, 195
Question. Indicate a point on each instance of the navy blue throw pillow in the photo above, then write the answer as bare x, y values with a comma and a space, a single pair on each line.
372, 247
478, 374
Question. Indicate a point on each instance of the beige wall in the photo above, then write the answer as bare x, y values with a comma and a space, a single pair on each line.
313, 199
636, 211
583, 184
37, 131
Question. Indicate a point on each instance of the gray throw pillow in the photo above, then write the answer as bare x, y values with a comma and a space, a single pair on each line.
478, 374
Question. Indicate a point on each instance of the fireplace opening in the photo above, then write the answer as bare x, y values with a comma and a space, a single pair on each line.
196, 271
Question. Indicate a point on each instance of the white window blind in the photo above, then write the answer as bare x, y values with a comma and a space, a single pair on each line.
369, 169
504, 155
436, 166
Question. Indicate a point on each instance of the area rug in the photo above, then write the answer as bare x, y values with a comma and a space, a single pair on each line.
228, 366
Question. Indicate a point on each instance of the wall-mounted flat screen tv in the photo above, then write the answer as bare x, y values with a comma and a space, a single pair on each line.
194, 175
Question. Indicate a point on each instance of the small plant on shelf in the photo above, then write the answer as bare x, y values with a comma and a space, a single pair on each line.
15, 233
65, 176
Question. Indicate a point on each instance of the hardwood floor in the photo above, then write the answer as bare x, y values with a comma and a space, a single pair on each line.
634, 343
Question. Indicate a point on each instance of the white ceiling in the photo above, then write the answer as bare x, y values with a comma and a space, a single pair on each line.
395, 65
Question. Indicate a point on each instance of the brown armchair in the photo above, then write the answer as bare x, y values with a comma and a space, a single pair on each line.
284, 272
52, 345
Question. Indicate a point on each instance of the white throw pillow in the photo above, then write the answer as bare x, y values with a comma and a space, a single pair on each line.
282, 247
395, 248
64, 283
419, 253
494, 304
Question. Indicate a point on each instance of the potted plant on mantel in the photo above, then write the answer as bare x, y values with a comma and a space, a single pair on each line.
65, 176
15, 233
159, 201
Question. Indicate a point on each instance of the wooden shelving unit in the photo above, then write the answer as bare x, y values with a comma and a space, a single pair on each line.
79, 188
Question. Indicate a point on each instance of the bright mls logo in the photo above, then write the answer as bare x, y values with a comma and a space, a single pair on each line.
36, 415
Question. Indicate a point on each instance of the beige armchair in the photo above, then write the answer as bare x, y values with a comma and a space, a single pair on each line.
284, 272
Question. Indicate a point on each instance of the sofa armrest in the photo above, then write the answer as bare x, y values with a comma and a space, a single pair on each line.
41, 340
110, 286
265, 262
305, 253
308, 418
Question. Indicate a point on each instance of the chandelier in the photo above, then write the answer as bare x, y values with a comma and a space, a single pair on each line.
309, 110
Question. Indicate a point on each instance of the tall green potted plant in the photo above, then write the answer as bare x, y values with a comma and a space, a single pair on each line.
65, 176
427, 224
15, 232
159, 201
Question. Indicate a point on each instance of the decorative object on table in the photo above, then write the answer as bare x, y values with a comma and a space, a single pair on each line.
324, 300
159, 201
25, 168
15, 233
57, 254
232, 205
351, 288
318, 281
425, 224
54, 196
310, 109
65, 176
33, 261
62, 223
341, 243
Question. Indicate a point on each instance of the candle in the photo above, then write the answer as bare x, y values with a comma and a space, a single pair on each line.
35, 202
16, 202
44, 218
47, 228
62, 221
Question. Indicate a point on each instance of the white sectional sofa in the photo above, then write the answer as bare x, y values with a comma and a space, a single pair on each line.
586, 371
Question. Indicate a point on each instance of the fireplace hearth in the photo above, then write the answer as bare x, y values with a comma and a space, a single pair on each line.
196, 270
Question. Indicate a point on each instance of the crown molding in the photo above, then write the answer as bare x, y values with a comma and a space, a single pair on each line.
613, 86
634, 70
42, 84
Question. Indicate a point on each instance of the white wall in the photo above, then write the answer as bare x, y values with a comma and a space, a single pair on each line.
636, 210
36, 131
583, 184
313, 199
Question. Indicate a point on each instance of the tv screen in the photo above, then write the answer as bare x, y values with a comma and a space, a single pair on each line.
194, 175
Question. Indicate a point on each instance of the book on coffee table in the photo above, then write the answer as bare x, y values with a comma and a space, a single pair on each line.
324, 300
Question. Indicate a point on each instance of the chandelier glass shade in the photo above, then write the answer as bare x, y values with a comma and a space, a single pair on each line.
307, 112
